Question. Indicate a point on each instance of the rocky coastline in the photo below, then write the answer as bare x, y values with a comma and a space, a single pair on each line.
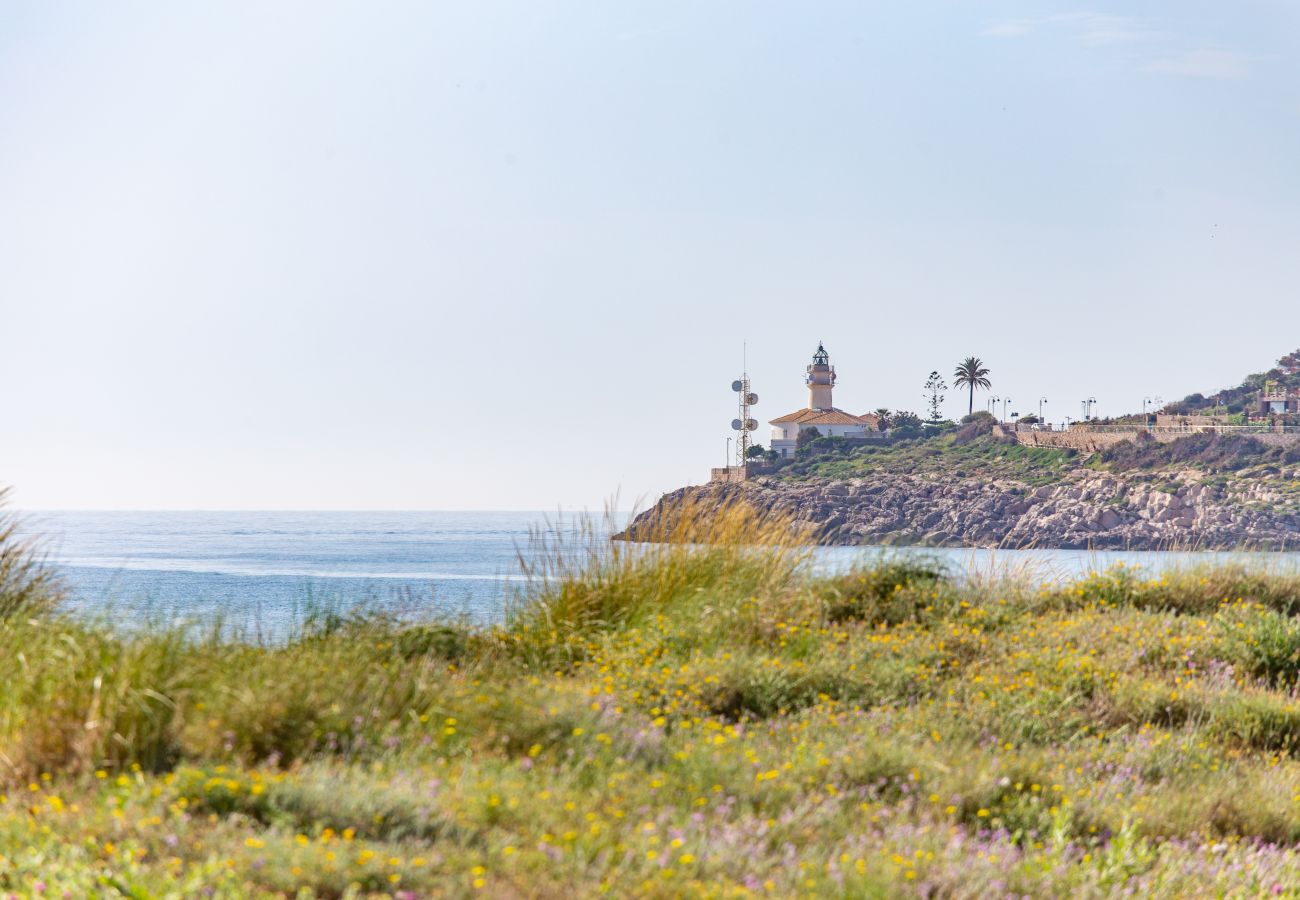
1183, 510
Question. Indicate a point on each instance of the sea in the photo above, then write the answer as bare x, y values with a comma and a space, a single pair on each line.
261, 574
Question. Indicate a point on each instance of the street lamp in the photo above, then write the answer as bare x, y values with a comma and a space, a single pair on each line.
1092, 401
1042, 401
1005, 401
728, 465
1146, 419
993, 405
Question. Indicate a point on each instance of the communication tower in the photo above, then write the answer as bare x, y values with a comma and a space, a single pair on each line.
746, 423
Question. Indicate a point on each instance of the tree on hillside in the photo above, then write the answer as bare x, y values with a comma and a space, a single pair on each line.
904, 424
805, 436
755, 451
971, 374
934, 388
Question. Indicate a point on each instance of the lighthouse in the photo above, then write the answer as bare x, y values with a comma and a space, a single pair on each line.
820, 413
820, 379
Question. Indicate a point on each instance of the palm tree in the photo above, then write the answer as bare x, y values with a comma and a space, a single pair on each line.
971, 374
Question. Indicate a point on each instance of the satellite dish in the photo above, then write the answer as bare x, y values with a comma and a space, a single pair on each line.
737, 386
751, 424
735, 424
751, 399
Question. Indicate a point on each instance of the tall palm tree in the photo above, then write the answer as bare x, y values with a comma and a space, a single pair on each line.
971, 374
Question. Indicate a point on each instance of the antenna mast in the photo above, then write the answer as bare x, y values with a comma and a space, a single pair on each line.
745, 423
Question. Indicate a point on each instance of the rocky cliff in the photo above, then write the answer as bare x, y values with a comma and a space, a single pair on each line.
1186, 509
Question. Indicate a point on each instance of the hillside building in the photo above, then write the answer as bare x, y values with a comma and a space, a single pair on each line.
1276, 400
820, 413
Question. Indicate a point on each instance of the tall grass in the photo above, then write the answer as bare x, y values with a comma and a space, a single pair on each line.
27, 586
579, 584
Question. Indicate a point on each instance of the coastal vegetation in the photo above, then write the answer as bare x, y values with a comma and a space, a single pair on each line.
972, 449
704, 716
968, 450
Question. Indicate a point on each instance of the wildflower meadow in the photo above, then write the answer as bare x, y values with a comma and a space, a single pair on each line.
702, 717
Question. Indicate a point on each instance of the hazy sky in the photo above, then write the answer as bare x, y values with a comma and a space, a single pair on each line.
503, 255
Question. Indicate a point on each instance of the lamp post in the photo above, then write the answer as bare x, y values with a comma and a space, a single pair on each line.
1005, 401
728, 464
1042, 401
1092, 401
993, 405
1146, 418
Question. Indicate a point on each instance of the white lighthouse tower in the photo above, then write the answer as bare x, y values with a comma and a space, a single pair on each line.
820, 379
820, 413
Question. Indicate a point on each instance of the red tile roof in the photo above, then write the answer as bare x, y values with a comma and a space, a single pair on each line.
812, 417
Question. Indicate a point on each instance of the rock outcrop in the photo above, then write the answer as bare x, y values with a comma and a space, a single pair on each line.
1085, 508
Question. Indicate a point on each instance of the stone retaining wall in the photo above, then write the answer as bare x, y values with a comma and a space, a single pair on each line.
1095, 441
1084, 441
737, 474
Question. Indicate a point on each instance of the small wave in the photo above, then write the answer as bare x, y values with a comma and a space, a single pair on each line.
208, 568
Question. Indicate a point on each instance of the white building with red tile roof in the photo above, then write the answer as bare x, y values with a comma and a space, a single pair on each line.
820, 413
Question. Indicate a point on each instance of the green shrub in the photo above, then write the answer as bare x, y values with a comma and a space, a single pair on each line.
891, 592
1266, 644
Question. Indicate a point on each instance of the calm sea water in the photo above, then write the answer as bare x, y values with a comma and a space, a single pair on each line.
262, 571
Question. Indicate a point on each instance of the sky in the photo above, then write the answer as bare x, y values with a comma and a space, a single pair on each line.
491, 255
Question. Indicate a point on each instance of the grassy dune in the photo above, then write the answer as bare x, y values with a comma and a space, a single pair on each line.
707, 721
